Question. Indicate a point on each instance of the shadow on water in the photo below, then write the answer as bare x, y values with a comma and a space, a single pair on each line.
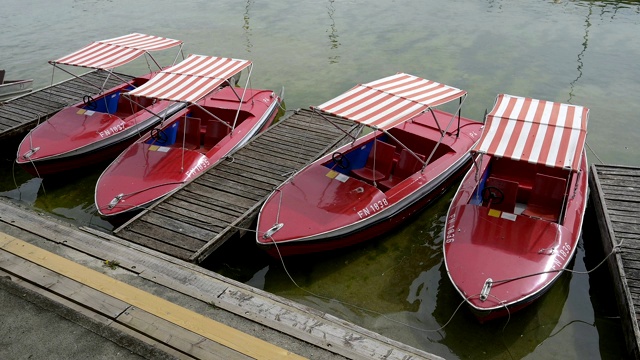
601, 290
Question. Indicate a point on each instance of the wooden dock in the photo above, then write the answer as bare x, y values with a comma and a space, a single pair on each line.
19, 115
197, 219
615, 194
122, 291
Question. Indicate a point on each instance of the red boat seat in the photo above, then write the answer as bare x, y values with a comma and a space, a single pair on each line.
380, 158
509, 191
190, 133
547, 197
407, 165
216, 131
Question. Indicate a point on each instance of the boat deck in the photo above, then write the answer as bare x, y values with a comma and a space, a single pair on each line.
616, 198
20, 114
193, 222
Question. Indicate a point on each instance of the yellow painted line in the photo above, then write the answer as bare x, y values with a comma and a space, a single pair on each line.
199, 324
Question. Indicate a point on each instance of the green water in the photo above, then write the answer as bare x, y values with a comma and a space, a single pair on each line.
582, 52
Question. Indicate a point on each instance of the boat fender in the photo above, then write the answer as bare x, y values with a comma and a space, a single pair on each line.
484, 294
273, 230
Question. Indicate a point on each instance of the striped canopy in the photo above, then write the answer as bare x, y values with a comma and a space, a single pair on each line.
191, 79
387, 102
111, 53
537, 131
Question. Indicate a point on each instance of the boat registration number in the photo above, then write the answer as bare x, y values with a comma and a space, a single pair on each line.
373, 208
112, 130
451, 229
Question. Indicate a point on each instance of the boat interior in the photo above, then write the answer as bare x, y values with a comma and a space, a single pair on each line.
522, 188
198, 129
113, 101
388, 163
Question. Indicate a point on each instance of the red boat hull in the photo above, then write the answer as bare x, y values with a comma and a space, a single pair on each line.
359, 235
324, 207
149, 170
85, 134
501, 261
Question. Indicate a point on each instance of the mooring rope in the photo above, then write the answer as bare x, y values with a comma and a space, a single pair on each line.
384, 316
613, 250
594, 153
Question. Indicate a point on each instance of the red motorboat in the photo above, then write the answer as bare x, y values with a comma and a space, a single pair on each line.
219, 119
97, 129
377, 181
514, 224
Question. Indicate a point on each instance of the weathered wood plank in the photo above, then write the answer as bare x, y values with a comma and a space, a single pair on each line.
189, 320
222, 195
187, 209
175, 232
60, 285
623, 264
229, 183
139, 236
189, 216
209, 206
257, 176
187, 342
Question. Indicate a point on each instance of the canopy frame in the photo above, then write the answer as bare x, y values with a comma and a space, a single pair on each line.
401, 91
136, 43
197, 69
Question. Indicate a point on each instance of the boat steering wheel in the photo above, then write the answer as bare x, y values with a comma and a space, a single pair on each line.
493, 194
159, 136
340, 160
89, 102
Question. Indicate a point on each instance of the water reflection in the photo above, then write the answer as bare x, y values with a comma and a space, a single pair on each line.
581, 54
507, 338
246, 26
333, 34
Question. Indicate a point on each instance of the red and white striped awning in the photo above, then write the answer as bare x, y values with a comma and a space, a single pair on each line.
111, 53
390, 101
537, 131
191, 79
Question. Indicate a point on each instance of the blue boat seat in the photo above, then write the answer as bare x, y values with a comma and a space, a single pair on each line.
379, 163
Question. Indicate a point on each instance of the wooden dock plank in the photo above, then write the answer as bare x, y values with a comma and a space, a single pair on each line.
196, 282
73, 291
190, 343
615, 195
235, 187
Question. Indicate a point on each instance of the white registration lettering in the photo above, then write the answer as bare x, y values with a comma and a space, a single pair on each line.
198, 168
112, 130
373, 208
